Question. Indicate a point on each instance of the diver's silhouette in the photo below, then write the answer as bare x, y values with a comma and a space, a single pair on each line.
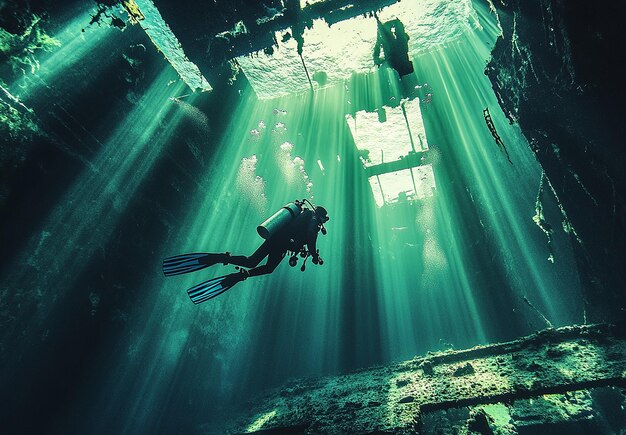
394, 41
294, 228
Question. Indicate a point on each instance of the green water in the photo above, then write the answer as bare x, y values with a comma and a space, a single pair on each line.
455, 269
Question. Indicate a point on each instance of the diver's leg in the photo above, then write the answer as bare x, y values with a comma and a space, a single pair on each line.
253, 260
409, 83
186, 263
211, 259
273, 260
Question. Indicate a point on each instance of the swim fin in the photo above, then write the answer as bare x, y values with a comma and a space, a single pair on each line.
187, 263
214, 287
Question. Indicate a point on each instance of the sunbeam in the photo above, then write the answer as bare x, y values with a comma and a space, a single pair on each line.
458, 218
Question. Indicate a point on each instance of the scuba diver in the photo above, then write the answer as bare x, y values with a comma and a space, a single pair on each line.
395, 44
394, 41
293, 228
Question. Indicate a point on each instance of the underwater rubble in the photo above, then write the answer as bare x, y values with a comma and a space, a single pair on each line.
566, 380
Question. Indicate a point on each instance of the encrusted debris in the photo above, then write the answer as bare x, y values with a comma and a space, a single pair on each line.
487, 379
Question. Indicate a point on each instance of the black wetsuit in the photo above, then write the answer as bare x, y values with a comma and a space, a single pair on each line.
395, 46
302, 230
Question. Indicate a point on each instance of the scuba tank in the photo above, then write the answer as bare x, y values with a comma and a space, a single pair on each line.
279, 220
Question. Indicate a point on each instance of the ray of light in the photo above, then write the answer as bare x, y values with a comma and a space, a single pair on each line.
86, 216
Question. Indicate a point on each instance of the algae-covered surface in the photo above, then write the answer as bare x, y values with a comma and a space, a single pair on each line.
394, 398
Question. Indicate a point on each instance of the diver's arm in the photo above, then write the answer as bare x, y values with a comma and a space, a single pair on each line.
379, 42
376, 54
311, 245
311, 242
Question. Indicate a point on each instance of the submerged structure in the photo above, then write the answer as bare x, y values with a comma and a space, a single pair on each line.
555, 381
469, 154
